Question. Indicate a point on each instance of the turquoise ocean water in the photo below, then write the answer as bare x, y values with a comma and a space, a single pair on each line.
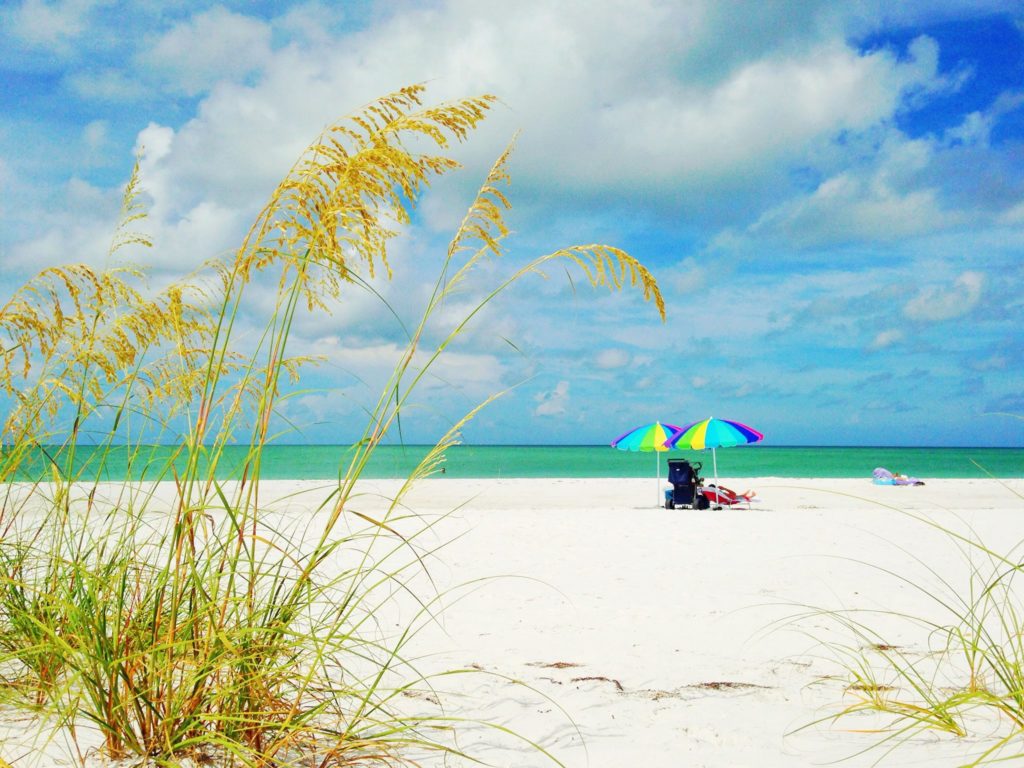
303, 462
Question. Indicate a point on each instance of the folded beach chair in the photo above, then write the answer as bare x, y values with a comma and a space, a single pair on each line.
686, 481
722, 496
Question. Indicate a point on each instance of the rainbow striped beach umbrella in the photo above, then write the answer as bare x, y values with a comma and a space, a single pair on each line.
650, 437
714, 433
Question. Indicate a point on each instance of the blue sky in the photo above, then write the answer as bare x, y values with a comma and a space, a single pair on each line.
831, 196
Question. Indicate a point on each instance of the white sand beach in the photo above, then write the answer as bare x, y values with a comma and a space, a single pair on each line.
616, 633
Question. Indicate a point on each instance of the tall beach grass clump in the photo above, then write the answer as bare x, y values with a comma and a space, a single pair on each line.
953, 668
182, 616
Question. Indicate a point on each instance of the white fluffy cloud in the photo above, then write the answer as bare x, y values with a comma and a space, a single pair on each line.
976, 127
554, 402
610, 359
767, 110
877, 200
614, 96
847, 207
95, 134
209, 47
48, 24
886, 339
574, 74
591, 104
106, 86
935, 303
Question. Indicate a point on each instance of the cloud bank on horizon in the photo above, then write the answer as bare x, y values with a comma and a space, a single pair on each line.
831, 196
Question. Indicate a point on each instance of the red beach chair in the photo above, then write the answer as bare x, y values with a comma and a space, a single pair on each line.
725, 497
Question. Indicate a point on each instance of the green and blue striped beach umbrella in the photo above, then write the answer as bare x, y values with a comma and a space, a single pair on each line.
649, 437
714, 433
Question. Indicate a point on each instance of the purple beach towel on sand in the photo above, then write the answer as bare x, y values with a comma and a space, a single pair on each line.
883, 476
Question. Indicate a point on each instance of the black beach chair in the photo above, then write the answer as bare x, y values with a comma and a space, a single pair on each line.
686, 482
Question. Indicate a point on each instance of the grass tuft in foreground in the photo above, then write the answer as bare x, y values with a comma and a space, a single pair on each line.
186, 617
958, 668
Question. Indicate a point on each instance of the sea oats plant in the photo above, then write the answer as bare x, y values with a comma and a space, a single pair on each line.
962, 673
190, 618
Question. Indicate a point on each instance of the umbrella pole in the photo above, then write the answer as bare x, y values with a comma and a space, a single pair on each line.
657, 465
718, 488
